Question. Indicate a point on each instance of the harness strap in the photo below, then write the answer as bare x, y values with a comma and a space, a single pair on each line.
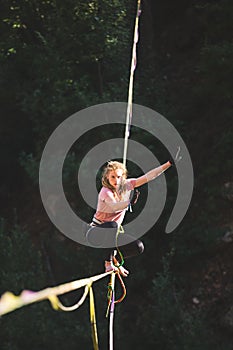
96, 222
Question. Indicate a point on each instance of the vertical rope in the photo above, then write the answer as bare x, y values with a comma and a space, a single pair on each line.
127, 134
111, 313
130, 91
119, 231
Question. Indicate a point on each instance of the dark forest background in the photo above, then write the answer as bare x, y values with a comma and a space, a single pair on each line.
58, 57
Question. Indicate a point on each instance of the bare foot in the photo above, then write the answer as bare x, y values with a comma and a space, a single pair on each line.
123, 271
109, 266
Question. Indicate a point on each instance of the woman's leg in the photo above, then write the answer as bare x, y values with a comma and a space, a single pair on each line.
106, 236
128, 246
102, 236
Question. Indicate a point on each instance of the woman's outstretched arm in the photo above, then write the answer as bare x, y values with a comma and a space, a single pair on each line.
152, 174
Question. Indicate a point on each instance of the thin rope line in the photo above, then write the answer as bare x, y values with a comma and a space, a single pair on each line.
111, 311
130, 91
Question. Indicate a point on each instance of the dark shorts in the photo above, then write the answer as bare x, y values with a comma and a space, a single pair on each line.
106, 235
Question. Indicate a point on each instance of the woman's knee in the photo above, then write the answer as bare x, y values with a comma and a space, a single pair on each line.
140, 246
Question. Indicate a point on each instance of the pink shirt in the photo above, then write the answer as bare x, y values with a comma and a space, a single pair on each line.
110, 208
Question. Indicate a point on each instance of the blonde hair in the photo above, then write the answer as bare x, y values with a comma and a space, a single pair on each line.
114, 165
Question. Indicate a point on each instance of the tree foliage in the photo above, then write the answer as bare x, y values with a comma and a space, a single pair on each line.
59, 57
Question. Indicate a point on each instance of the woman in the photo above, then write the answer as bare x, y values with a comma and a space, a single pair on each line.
113, 201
